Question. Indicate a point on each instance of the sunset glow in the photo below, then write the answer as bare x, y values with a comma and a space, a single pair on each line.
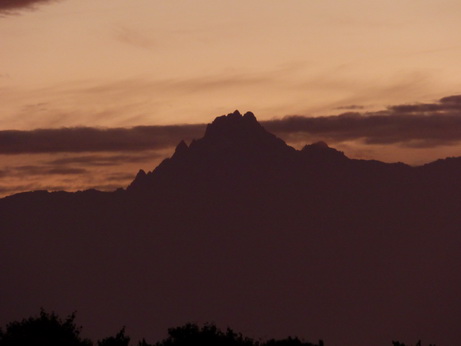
120, 64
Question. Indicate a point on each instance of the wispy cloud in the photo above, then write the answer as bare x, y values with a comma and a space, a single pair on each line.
43, 170
105, 160
351, 107
13, 6
128, 102
6, 190
133, 37
74, 171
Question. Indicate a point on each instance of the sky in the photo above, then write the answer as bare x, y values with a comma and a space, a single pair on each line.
91, 91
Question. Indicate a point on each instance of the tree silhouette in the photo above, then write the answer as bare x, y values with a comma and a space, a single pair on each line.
290, 342
208, 335
118, 340
398, 343
46, 329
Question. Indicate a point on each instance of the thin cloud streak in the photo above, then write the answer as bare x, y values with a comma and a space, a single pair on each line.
106, 171
43, 170
142, 100
37, 170
133, 38
6, 190
12, 6
105, 160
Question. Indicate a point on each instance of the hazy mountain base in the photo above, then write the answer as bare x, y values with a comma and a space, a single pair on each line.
242, 230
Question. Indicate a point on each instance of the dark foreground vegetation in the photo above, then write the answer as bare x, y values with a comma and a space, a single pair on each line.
48, 329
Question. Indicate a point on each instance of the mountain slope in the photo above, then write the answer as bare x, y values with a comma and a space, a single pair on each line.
240, 229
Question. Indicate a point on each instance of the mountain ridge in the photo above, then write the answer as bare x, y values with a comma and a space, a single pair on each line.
242, 142
250, 233
242, 135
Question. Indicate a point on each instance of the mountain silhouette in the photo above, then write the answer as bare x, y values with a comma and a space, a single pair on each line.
233, 149
240, 229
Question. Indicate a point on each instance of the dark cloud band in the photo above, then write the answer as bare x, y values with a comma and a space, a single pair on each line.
417, 125
12, 6
96, 140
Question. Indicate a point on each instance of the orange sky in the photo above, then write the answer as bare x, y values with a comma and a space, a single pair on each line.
118, 63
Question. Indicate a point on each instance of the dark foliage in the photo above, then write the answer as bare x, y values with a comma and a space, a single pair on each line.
208, 335
46, 329
398, 343
118, 340
290, 342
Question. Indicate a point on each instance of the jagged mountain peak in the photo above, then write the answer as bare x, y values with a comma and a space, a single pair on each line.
232, 142
238, 148
239, 134
181, 148
233, 125
140, 179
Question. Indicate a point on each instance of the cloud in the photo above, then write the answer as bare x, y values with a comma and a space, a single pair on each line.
351, 107
11, 189
120, 177
139, 100
421, 125
43, 170
106, 160
74, 171
39, 170
86, 139
12, 6
134, 37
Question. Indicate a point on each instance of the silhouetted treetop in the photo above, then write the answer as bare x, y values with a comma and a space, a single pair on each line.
120, 339
207, 335
45, 330
210, 335
398, 343
48, 329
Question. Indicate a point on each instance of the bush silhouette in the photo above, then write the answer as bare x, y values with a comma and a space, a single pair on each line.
118, 340
46, 329
398, 343
290, 342
208, 335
